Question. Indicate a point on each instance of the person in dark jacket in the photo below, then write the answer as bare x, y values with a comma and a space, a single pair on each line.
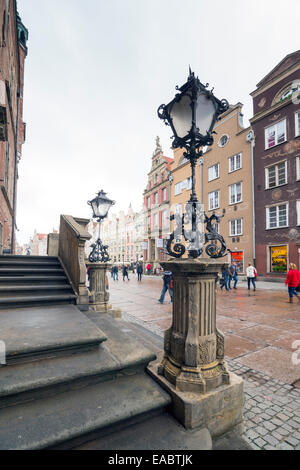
225, 276
125, 273
232, 275
139, 271
167, 279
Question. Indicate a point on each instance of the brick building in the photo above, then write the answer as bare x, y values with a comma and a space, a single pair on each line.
13, 51
156, 207
276, 126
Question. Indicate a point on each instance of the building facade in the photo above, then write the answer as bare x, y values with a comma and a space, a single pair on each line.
276, 126
223, 183
156, 208
124, 235
13, 52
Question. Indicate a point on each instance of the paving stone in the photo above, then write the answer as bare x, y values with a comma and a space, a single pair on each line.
282, 416
265, 416
251, 434
270, 426
282, 431
271, 440
262, 431
276, 421
260, 442
287, 427
285, 446
292, 441
271, 412
268, 447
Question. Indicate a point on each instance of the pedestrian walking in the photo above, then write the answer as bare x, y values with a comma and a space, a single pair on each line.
232, 275
225, 278
115, 273
168, 285
148, 268
139, 271
292, 281
251, 275
125, 273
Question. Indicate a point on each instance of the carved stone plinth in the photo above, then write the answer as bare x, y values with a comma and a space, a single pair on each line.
194, 348
99, 296
193, 369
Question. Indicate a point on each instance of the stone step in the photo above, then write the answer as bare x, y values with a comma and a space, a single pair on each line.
32, 287
160, 432
29, 258
20, 280
24, 263
118, 356
35, 270
78, 414
34, 300
41, 332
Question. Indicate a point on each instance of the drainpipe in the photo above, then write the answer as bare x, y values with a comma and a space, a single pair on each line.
15, 176
251, 138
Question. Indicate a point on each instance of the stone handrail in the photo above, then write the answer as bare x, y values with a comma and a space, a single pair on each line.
72, 238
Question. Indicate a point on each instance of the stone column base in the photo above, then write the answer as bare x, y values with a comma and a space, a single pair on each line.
220, 410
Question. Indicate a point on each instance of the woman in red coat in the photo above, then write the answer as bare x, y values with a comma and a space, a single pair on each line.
292, 281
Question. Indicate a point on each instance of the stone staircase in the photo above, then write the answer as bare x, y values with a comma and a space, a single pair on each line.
73, 379
33, 281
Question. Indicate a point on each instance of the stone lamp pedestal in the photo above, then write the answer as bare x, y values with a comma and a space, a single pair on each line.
99, 295
193, 369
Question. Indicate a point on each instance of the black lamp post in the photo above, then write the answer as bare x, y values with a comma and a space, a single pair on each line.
100, 206
192, 115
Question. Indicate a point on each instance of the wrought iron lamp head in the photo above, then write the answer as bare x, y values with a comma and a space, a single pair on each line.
100, 205
192, 115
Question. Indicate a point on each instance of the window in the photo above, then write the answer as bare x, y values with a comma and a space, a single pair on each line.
177, 189
298, 212
297, 123
277, 216
278, 258
189, 183
164, 194
148, 202
275, 134
276, 175
213, 200
223, 140
235, 227
155, 220
235, 193
165, 219
213, 172
156, 198
186, 184
298, 168
235, 162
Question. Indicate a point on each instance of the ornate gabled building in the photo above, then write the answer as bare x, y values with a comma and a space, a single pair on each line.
13, 51
156, 207
276, 126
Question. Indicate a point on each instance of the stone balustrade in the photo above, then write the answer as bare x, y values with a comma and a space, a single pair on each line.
72, 238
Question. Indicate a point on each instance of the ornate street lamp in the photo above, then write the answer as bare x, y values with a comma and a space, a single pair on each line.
100, 206
192, 115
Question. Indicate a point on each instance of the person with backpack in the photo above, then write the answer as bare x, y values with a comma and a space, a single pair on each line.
168, 285
251, 275
292, 281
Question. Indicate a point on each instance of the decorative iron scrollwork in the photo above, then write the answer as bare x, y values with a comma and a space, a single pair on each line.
196, 238
99, 252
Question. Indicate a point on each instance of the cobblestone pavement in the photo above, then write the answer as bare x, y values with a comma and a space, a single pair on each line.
259, 331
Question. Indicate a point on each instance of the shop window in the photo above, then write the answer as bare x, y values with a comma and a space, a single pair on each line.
238, 258
278, 259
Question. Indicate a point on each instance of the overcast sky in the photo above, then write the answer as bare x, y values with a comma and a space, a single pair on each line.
96, 72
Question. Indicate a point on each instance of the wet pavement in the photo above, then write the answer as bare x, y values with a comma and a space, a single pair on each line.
262, 343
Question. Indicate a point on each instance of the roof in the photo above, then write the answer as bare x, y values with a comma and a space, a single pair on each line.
283, 65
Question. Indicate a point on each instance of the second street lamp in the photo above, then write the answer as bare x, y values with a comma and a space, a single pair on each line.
100, 206
192, 115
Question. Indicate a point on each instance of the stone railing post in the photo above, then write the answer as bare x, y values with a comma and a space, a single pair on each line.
72, 238
193, 369
99, 297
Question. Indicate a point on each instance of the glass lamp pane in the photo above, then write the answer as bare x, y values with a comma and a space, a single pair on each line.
205, 113
181, 115
95, 208
103, 208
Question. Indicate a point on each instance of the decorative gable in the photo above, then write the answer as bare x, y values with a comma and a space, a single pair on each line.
285, 64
